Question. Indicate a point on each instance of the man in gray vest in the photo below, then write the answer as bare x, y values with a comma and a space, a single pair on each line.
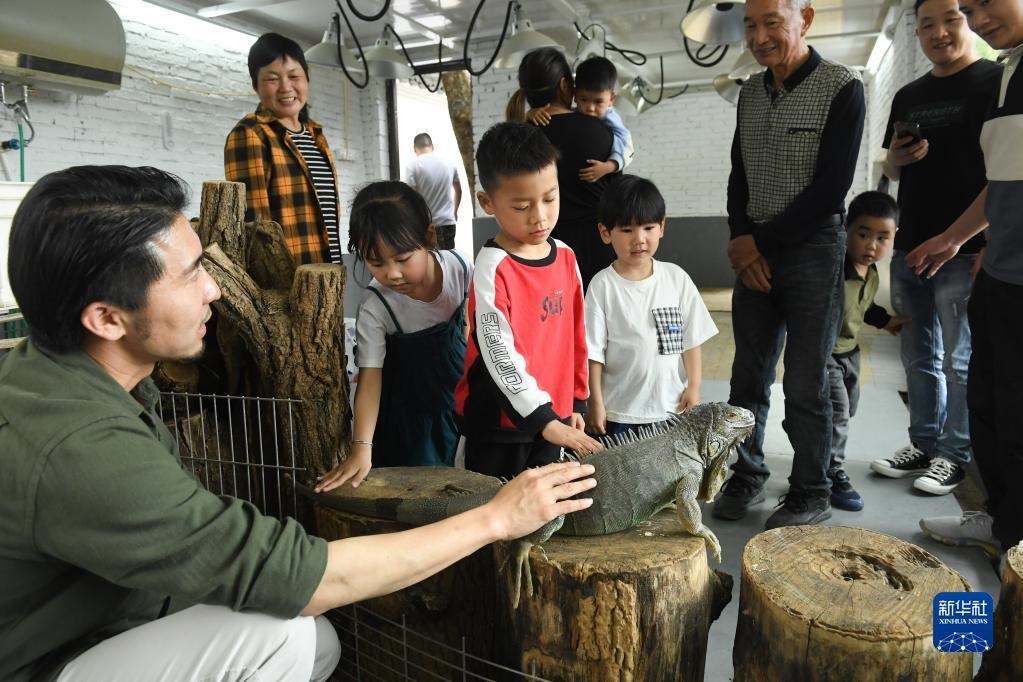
793, 157
436, 179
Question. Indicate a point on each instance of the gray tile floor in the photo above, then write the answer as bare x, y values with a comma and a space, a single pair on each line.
891, 506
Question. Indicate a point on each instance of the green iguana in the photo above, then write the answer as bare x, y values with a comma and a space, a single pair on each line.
682, 460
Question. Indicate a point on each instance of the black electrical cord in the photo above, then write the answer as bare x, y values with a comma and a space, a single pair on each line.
369, 17
362, 55
634, 57
680, 92
660, 94
440, 45
700, 59
500, 41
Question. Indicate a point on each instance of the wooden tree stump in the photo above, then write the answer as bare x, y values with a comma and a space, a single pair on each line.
290, 321
822, 603
459, 601
636, 605
1004, 661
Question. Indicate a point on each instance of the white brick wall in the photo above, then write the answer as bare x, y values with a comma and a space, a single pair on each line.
904, 62
684, 146
124, 126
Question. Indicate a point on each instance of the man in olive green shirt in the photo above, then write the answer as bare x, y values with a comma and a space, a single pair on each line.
115, 563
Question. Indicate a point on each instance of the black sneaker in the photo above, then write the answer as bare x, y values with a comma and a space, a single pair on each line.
798, 508
908, 461
736, 499
941, 478
843, 495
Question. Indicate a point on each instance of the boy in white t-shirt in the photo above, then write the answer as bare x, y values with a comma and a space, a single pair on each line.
645, 320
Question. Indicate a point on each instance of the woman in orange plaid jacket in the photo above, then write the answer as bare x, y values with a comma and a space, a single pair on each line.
282, 155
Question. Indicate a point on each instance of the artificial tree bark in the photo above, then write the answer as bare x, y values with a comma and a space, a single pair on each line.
458, 90
821, 603
289, 321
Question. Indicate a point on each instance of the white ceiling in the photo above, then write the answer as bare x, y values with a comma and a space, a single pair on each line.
843, 30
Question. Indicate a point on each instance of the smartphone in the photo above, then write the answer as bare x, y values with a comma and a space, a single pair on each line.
908, 129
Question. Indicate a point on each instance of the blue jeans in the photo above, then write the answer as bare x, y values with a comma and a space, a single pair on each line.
804, 304
936, 354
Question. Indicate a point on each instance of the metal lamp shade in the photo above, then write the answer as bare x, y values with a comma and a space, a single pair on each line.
727, 87
745, 66
324, 53
716, 23
630, 99
383, 61
522, 41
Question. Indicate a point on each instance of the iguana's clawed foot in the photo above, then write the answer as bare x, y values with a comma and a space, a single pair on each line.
712, 542
519, 560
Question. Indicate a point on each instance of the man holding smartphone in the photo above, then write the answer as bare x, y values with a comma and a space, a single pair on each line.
934, 152
996, 372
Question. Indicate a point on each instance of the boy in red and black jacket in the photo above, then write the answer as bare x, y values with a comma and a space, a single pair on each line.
524, 388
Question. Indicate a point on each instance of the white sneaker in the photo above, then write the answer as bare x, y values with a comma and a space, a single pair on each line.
908, 461
972, 529
941, 478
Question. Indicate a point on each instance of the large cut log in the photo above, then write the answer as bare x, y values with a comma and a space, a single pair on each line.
458, 90
290, 321
1004, 662
635, 605
821, 603
455, 603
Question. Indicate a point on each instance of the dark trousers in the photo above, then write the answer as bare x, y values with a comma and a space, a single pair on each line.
508, 460
445, 236
994, 394
801, 313
844, 386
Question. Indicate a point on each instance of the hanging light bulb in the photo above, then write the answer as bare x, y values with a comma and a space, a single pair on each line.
715, 23
325, 52
523, 40
383, 61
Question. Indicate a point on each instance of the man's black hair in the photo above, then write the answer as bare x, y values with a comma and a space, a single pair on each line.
872, 204
87, 234
422, 141
630, 200
595, 75
508, 149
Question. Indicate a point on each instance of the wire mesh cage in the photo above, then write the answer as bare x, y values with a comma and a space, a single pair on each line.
243, 447
12, 329
238, 446
378, 649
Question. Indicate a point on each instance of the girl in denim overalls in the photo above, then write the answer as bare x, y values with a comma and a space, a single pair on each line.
410, 336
